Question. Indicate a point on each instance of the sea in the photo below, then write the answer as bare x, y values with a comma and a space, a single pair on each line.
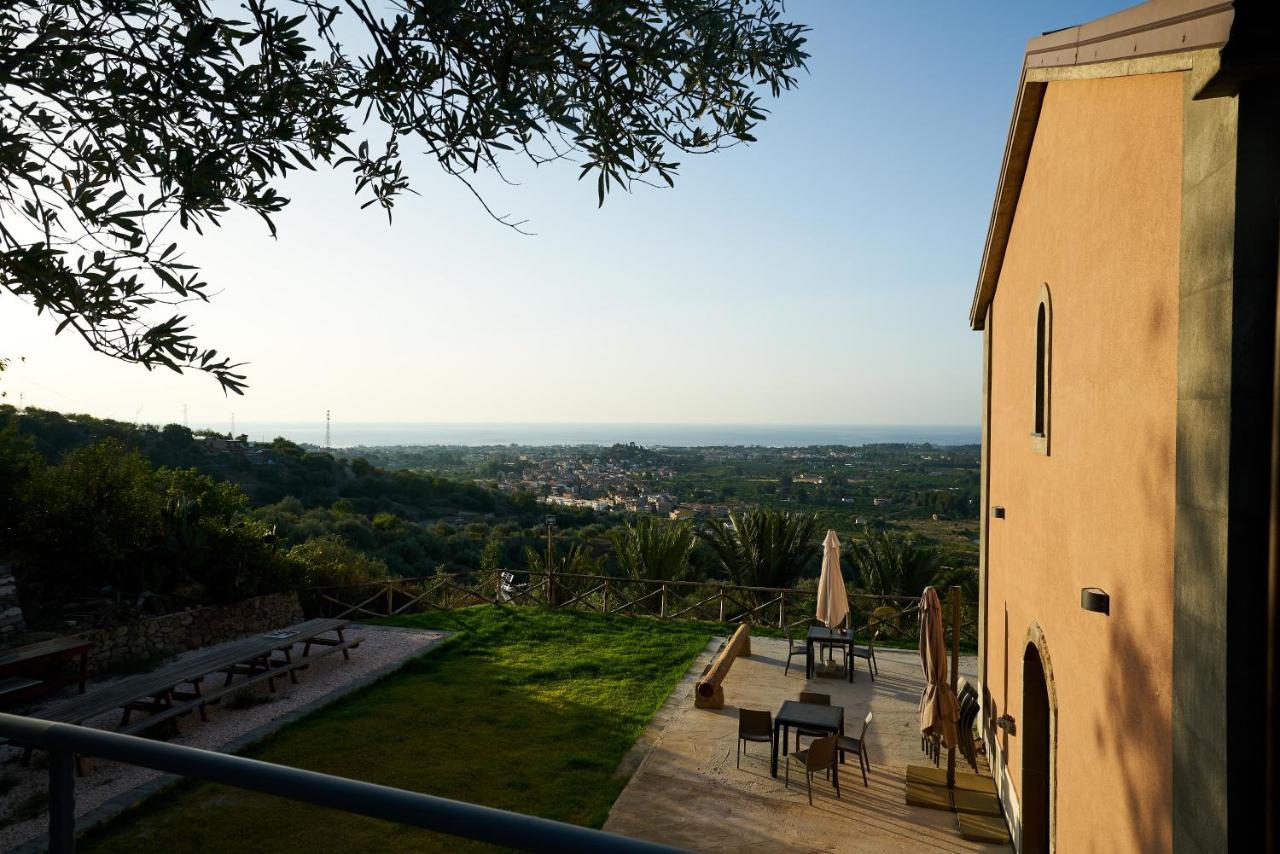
346, 435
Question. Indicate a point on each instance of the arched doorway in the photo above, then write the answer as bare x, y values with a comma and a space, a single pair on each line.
1036, 760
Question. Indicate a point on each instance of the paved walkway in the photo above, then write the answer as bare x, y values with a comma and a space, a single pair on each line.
110, 788
688, 793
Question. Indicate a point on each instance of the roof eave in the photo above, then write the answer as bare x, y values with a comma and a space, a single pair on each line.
1155, 28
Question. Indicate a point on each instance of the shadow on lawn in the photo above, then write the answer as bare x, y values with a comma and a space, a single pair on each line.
525, 710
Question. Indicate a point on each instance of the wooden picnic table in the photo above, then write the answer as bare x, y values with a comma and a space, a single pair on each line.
34, 669
161, 693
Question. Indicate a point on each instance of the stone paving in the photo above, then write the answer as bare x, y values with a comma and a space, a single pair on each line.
688, 793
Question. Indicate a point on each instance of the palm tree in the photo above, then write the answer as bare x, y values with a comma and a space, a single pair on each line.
649, 549
764, 548
964, 577
889, 564
576, 560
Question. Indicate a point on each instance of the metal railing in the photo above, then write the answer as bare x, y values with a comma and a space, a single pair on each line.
710, 601
64, 742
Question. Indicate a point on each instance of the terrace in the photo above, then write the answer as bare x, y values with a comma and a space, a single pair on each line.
689, 794
581, 713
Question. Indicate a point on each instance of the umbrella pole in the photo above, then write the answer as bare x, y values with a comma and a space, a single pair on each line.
955, 676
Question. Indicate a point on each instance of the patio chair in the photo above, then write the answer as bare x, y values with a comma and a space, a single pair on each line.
794, 648
508, 586
868, 652
820, 756
817, 700
848, 744
754, 726
968, 715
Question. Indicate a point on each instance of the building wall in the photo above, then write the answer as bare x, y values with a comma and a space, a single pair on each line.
1098, 222
1205, 449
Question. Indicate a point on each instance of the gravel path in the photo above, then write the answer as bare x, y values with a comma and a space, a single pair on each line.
23, 818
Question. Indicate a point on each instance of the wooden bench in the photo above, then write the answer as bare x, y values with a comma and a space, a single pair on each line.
709, 693
17, 688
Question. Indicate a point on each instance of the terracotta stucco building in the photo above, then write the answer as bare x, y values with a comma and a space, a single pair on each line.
1127, 299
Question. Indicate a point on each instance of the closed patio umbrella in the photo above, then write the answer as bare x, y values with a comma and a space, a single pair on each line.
938, 708
833, 602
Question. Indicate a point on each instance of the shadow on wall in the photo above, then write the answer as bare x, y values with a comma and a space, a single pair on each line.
1136, 721
1137, 725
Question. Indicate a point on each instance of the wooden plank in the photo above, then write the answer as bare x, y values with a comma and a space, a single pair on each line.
980, 803
43, 649
983, 828
15, 684
932, 776
709, 692
924, 795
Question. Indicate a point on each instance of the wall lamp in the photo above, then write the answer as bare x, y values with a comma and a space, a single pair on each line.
1093, 599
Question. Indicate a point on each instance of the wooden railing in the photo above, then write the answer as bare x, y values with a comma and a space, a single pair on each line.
710, 601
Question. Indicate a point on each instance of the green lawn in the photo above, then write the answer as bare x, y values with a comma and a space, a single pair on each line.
526, 709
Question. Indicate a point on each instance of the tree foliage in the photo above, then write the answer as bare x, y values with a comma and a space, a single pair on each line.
647, 548
575, 559
764, 548
122, 120
103, 521
94, 516
891, 564
327, 561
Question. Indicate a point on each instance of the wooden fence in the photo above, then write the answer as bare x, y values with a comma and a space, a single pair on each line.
711, 601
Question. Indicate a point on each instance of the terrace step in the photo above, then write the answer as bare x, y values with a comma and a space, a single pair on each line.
938, 777
983, 828
977, 803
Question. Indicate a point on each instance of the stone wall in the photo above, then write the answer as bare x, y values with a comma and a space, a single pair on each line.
174, 633
11, 621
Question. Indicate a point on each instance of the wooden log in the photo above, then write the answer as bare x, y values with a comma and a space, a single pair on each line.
709, 694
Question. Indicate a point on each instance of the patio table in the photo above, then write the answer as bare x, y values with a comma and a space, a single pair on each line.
823, 636
808, 716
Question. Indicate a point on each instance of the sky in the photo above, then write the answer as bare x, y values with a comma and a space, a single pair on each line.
822, 275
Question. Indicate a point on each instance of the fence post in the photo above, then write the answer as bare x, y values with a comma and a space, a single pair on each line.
388, 598
664, 600
782, 610
62, 802
722, 604
606, 596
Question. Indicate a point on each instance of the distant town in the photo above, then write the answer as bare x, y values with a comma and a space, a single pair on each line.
930, 490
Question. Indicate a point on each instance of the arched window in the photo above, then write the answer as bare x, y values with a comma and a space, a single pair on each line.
1044, 339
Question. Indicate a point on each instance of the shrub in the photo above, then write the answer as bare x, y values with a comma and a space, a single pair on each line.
104, 520
328, 561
